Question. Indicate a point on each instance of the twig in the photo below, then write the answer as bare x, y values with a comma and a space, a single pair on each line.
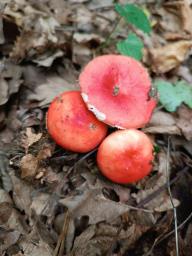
103, 45
161, 189
161, 239
172, 231
61, 241
171, 199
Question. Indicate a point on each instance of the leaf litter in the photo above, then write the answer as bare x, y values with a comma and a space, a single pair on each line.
49, 204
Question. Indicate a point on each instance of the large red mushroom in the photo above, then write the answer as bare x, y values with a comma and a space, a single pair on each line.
72, 125
125, 156
116, 89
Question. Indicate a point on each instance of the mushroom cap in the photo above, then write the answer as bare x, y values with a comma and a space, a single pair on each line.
125, 156
116, 89
72, 125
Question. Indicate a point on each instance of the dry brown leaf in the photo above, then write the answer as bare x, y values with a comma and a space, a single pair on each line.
83, 38
167, 204
170, 21
186, 15
60, 15
176, 16
13, 218
31, 247
46, 92
84, 19
5, 212
4, 95
170, 56
91, 203
47, 60
82, 54
22, 193
30, 138
88, 243
184, 121
161, 179
40, 202
185, 73
162, 123
2, 39
2, 118
172, 129
29, 166
98, 239
8, 238
162, 118
46, 151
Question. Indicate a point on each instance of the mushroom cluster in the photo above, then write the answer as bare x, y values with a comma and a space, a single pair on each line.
114, 91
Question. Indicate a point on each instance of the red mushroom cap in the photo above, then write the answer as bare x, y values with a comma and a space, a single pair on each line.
72, 125
125, 156
116, 89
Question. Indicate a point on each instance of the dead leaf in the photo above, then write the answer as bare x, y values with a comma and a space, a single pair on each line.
162, 123
161, 180
91, 203
170, 56
184, 12
167, 204
88, 244
2, 118
58, 6
58, 225
181, 142
4, 172
39, 203
170, 21
84, 19
4, 91
46, 60
184, 72
83, 38
173, 130
46, 92
29, 166
2, 39
21, 193
9, 238
10, 80
5, 212
35, 247
30, 138
184, 121
186, 15
162, 118
82, 54
13, 219
46, 151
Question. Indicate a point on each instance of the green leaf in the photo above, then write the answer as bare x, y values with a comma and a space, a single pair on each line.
132, 46
172, 95
185, 91
134, 15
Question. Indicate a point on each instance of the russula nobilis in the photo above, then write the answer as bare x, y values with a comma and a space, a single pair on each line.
125, 156
72, 125
116, 89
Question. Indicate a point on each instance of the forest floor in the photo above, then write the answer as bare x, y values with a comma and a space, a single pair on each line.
55, 202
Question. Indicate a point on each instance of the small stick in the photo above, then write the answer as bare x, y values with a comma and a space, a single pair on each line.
171, 199
61, 241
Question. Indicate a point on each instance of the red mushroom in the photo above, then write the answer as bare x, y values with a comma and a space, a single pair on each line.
72, 125
125, 156
116, 89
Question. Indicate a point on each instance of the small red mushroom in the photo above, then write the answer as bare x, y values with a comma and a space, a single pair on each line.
116, 89
125, 156
72, 125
